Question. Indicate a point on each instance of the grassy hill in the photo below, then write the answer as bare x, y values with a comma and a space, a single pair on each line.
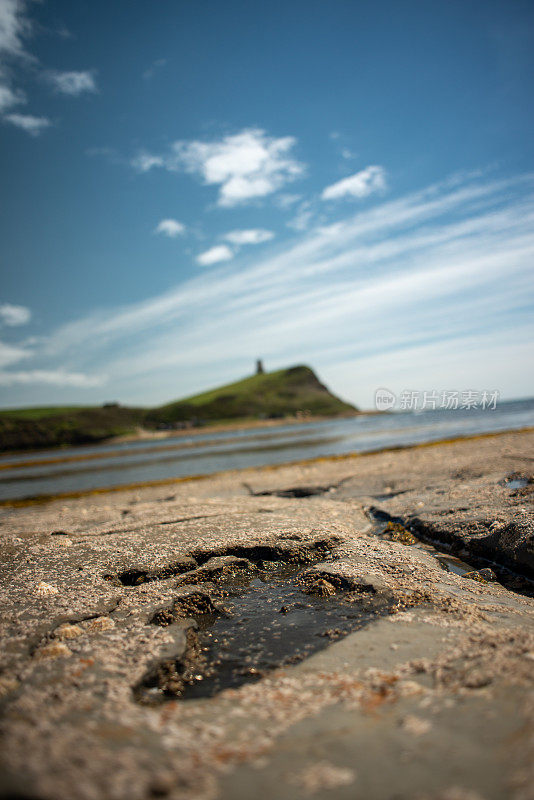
287, 392
270, 395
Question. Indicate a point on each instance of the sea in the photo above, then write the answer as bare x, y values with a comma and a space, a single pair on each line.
204, 452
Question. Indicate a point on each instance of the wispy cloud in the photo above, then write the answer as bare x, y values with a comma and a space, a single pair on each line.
303, 217
14, 26
250, 236
9, 97
55, 377
14, 315
421, 280
220, 252
156, 65
72, 83
144, 162
287, 200
369, 180
171, 228
245, 166
343, 145
32, 125
12, 354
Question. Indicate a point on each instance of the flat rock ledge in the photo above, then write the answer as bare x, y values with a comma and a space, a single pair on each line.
432, 698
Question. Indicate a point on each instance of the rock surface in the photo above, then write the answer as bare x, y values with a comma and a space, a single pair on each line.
433, 699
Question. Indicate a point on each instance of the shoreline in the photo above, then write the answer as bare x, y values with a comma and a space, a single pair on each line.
145, 434
220, 427
48, 498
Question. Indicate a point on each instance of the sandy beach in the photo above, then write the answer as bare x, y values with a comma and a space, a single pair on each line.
398, 660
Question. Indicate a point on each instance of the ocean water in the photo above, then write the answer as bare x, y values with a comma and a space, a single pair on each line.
90, 467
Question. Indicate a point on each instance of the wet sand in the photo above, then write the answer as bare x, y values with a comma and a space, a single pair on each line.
117, 606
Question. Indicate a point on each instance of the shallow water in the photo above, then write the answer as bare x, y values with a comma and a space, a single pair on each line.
271, 622
91, 467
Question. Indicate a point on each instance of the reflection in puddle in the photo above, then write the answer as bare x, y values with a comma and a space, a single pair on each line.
517, 483
448, 562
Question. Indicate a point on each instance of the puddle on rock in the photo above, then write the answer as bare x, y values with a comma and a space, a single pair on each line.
516, 483
447, 562
270, 622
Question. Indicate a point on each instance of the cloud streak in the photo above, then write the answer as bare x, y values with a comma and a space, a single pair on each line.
56, 377
250, 236
14, 315
221, 252
27, 122
426, 273
369, 181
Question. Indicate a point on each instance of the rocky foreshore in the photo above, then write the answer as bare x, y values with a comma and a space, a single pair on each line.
360, 627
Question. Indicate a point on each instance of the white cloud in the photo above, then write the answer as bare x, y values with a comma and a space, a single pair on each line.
56, 377
11, 354
171, 228
250, 236
144, 162
218, 253
72, 83
13, 26
154, 67
246, 166
14, 315
287, 200
30, 124
302, 218
371, 179
9, 98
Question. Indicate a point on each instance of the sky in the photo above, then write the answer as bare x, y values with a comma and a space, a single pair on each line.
189, 185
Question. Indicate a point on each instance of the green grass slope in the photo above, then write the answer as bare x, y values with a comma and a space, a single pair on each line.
270, 395
34, 428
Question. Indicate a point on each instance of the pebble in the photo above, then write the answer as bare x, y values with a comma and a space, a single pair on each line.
415, 725
323, 775
101, 624
53, 650
7, 685
45, 589
67, 631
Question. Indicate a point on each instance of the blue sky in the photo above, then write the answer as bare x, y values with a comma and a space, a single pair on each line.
187, 186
